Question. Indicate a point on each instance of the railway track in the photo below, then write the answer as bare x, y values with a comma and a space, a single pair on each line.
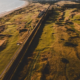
52, 55
57, 51
11, 68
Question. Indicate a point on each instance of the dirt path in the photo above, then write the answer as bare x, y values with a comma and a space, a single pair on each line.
54, 54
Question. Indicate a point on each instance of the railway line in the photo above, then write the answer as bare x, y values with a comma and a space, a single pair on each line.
51, 51
17, 58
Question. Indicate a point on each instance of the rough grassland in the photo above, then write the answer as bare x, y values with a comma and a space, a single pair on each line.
55, 52
17, 26
46, 40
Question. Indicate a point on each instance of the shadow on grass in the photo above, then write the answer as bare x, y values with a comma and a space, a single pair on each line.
61, 19
45, 71
28, 54
78, 77
77, 36
71, 30
31, 49
53, 17
71, 44
68, 22
72, 5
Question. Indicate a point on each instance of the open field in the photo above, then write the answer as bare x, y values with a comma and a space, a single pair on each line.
14, 28
55, 51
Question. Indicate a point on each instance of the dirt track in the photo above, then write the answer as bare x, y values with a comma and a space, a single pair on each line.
59, 57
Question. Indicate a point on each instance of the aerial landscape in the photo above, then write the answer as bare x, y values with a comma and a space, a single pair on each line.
40, 40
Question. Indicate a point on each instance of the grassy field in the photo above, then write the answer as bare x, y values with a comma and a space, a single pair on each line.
55, 52
14, 23
43, 43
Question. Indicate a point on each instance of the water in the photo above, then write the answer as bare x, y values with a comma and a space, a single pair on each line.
7, 5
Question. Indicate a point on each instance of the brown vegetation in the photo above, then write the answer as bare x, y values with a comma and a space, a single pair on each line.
15, 28
55, 52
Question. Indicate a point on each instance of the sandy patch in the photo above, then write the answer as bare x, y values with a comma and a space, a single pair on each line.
77, 27
2, 42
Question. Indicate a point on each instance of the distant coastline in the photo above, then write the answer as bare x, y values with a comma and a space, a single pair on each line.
8, 12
